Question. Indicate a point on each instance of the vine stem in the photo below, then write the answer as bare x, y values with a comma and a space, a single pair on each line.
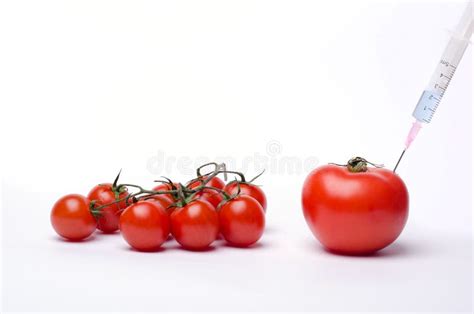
131, 196
198, 170
257, 176
181, 191
240, 174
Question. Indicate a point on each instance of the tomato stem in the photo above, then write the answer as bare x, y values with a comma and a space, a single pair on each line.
359, 164
257, 176
240, 174
198, 170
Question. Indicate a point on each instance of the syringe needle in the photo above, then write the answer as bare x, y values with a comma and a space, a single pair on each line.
399, 159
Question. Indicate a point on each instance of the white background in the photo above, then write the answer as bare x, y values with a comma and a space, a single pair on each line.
89, 87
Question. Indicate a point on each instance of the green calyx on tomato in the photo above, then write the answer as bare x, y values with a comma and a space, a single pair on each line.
358, 164
183, 197
94, 209
243, 187
120, 194
117, 190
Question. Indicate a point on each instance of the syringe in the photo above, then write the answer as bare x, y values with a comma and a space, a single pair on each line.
434, 92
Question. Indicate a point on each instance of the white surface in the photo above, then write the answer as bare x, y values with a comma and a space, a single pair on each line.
89, 87
287, 271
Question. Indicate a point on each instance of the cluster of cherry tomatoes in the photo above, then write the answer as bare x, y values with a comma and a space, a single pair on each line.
194, 213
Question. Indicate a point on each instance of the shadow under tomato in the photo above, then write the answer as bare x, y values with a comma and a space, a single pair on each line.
392, 251
157, 250
395, 249
258, 245
88, 239
205, 250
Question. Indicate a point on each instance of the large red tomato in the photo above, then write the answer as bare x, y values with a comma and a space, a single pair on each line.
108, 219
355, 209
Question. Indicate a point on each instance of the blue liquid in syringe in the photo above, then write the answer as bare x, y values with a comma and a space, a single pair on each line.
426, 106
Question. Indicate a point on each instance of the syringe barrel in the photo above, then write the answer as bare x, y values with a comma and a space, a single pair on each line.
434, 92
448, 64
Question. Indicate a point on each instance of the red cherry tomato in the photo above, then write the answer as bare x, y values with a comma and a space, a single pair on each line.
242, 220
248, 189
166, 187
196, 225
145, 225
355, 213
211, 196
71, 217
109, 217
215, 182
